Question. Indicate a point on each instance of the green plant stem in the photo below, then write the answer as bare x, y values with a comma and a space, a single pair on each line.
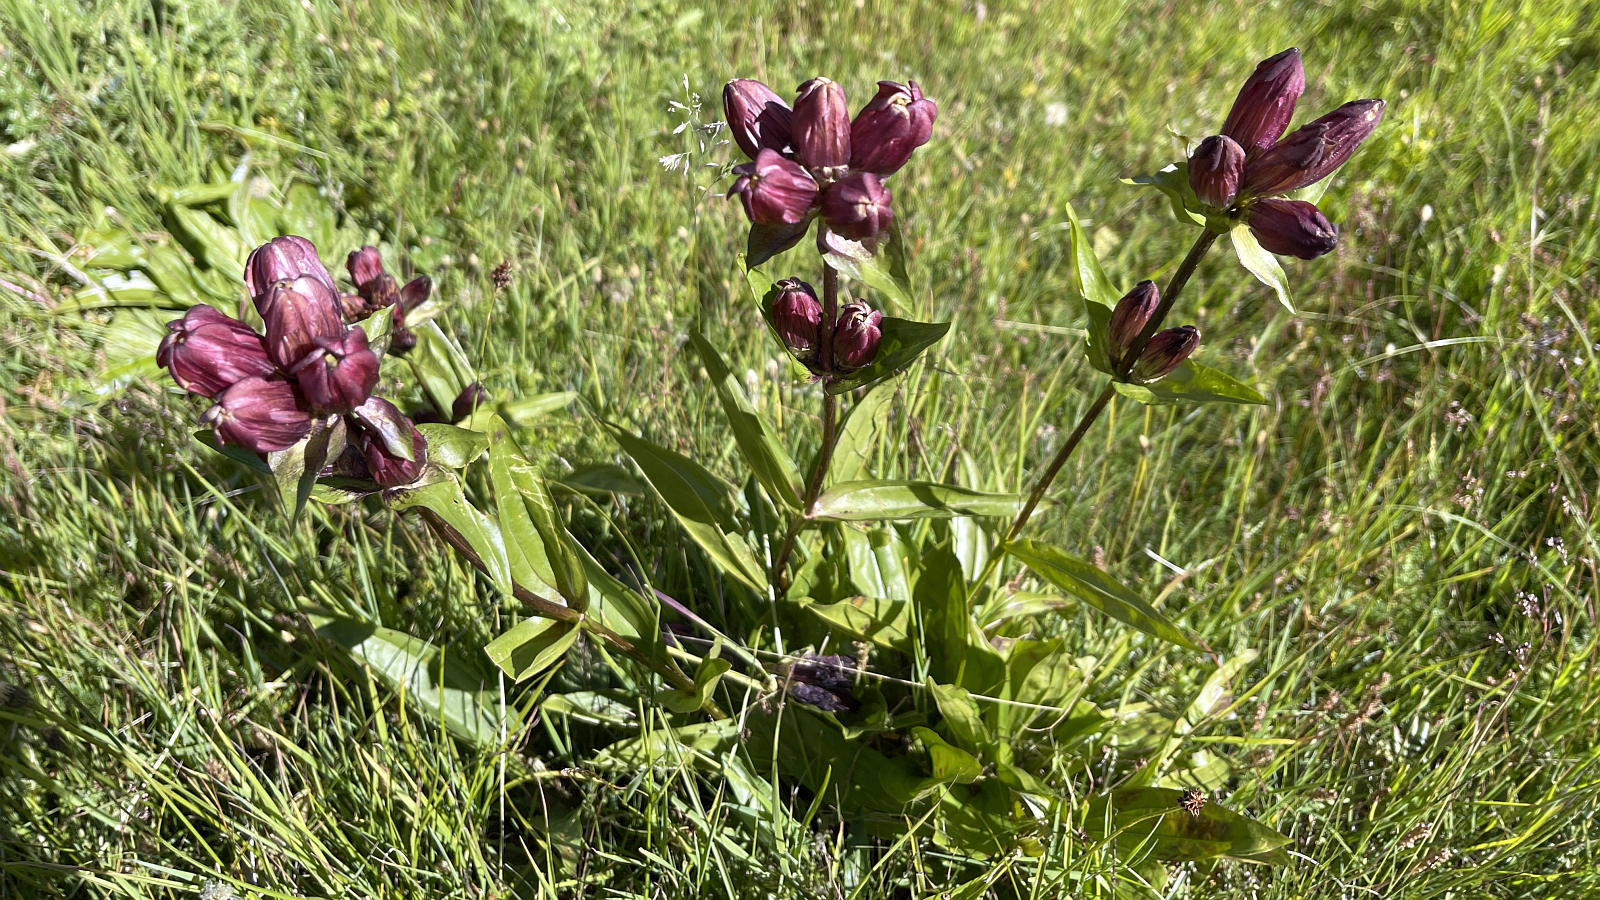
1175, 286
830, 436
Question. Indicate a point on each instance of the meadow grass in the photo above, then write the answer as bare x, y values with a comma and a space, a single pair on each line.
1405, 532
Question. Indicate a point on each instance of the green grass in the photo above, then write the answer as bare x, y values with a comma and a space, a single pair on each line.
1406, 532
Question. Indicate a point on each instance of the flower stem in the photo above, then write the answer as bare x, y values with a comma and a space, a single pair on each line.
1175, 286
830, 415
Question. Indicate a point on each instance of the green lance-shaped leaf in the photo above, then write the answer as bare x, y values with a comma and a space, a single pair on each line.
1081, 579
534, 533
1192, 383
901, 342
453, 447
531, 646
701, 502
949, 763
962, 720
1174, 182
439, 365
877, 619
767, 241
858, 437
757, 442
530, 409
220, 245
254, 214
1263, 265
868, 501
1099, 295
878, 262
958, 651
1150, 820
711, 670
198, 194
482, 532
460, 697
295, 469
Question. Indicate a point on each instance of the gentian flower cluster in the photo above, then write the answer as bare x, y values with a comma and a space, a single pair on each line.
814, 160
377, 289
271, 390
798, 316
1247, 169
1166, 349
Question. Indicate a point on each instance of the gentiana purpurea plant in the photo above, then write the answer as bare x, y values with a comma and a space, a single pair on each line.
917, 574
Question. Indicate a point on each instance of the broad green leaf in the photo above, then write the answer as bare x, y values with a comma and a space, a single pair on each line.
530, 409
527, 549
706, 676
296, 468
868, 501
1174, 182
949, 763
452, 447
560, 549
620, 608
858, 436
531, 646
959, 653
439, 365
877, 563
701, 502
443, 496
254, 215
756, 440
1192, 383
961, 717
1091, 283
970, 541
460, 697
1006, 607
878, 262
1082, 580
220, 245
1043, 673
592, 707
767, 241
982, 819
901, 343
1263, 265
879, 620
850, 775
1151, 820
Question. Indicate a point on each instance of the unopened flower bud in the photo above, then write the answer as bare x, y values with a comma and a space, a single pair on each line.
292, 259
414, 293
1215, 170
294, 321
353, 307
1313, 150
1166, 351
468, 402
339, 374
259, 415
821, 125
857, 206
208, 352
1265, 104
364, 265
1129, 318
774, 190
395, 451
757, 118
856, 336
797, 315
888, 129
1293, 228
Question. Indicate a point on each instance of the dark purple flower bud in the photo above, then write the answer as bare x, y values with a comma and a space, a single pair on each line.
821, 125
259, 415
1293, 228
295, 321
1265, 104
468, 402
415, 293
774, 190
857, 206
364, 265
797, 315
1215, 170
1129, 319
1166, 351
887, 130
826, 682
389, 469
353, 307
381, 291
338, 374
208, 352
856, 336
757, 117
289, 258
1313, 150
384, 421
